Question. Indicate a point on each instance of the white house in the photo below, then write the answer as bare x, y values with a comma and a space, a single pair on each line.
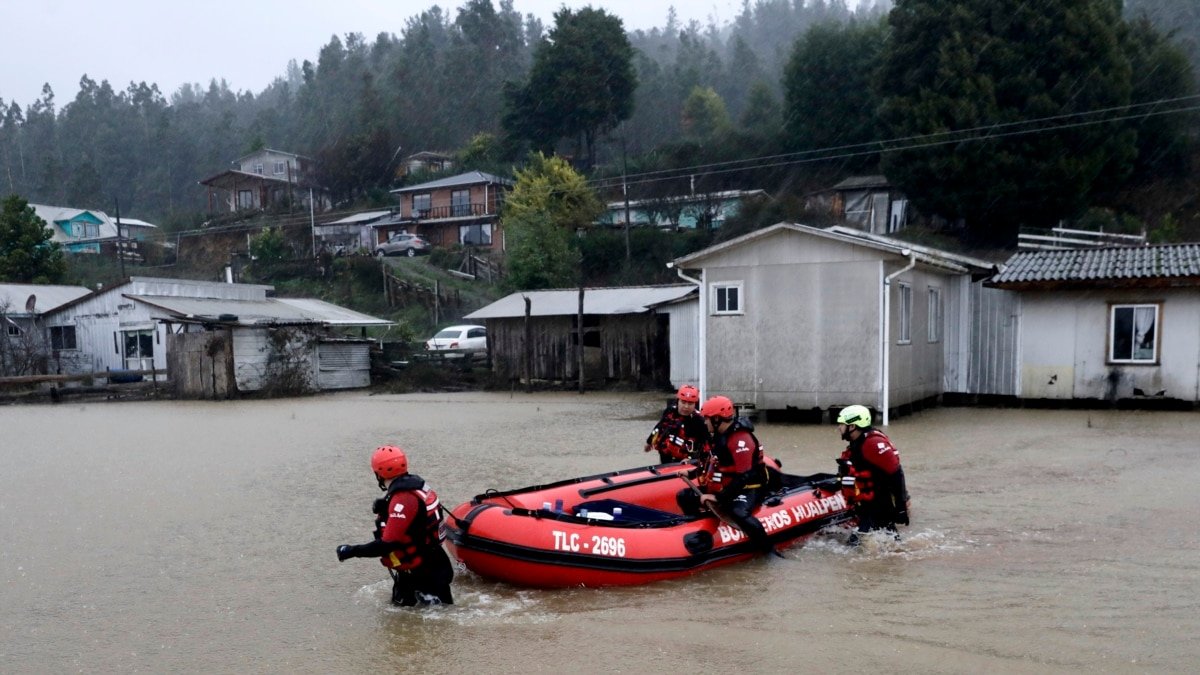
132, 327
26, 348
798, 317
1107, 323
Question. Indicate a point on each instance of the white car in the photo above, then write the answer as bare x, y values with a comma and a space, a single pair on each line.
458, 341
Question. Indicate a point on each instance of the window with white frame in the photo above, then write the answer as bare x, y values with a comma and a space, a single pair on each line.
14, 330
62, 337
1133, 333
727, 298
280, 168
904, 332
935, 314
258, 169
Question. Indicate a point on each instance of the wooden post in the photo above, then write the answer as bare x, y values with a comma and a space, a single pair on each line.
437, 299
579, 332
528, 346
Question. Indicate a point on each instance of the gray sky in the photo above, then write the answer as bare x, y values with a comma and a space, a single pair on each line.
247, 42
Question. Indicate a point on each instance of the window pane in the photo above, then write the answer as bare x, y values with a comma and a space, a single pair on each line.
1122, 335
733, 300
68, 337
1143, 333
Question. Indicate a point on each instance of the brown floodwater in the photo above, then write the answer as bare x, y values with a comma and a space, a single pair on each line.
200, 537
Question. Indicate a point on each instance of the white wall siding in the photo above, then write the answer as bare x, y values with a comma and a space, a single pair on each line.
1064, 343
250, 355
797, 344
684, 341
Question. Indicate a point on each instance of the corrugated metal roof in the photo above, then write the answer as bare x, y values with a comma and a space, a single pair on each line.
14, 296
469, 178
1099, 265
268, 311
364, 217
861, 182
565, 302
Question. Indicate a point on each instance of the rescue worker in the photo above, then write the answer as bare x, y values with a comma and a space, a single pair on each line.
680, 433
733, 478
408, 534
872, 478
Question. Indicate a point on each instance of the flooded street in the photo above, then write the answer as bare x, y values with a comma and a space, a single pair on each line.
200, 537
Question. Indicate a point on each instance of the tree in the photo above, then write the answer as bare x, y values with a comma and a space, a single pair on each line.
704, 114
27, 255
548, 204
581, 84
830, 97
993, 90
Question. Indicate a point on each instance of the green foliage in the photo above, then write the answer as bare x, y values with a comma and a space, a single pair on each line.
704, 114
967, 66
27, 254
541, 254
546, 206
1160, 71
269, 246
830, 100
581, 84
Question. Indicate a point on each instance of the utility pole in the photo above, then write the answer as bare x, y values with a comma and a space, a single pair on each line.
625, 192
120, 239
312, 222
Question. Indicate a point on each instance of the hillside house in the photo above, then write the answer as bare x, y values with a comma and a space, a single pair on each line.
266, 178
867, 203
683, 212
462, 209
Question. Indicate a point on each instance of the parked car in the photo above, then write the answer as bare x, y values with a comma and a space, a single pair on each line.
459, 341
403, 244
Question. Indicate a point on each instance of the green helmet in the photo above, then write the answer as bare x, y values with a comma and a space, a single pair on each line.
855, 415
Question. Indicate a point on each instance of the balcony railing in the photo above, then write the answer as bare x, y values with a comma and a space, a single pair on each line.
452, 211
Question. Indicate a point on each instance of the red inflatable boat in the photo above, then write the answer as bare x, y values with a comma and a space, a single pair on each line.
623, 528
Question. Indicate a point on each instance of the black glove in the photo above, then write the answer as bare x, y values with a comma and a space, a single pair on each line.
345, 551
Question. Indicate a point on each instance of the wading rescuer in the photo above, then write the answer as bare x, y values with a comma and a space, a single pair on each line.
733, 478
408, 534
872, 478
680, 433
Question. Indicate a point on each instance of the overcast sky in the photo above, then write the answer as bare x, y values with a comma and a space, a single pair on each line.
247, 42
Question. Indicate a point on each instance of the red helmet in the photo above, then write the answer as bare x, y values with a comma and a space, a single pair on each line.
718, 406
689, 393
389, 461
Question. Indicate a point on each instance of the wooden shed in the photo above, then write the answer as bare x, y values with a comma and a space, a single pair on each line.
625, 336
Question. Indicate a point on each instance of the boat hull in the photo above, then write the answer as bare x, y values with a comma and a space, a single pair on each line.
623, 528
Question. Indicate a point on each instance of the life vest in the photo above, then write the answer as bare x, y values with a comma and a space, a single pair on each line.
427, 530
859, 481
671, 436
721, 468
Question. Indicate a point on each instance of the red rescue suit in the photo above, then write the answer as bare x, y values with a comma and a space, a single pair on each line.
873, 481
676, 437
735, 464
410, 520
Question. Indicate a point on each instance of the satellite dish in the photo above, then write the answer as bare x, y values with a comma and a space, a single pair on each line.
30, 303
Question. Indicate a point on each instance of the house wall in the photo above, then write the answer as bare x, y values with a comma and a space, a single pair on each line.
684, 342
101, 319
199, 364
257, 359
623, 347
809, 335
1064, 345
99, 326
916, 368
343, 365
